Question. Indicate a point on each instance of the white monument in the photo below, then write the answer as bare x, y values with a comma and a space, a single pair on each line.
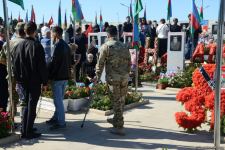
175, 51
99, 39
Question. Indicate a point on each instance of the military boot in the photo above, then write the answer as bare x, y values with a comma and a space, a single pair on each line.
110, 120
117, 131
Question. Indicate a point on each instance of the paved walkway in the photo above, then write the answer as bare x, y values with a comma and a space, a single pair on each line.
148, 127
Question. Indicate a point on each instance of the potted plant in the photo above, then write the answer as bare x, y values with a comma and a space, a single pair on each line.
46, 101
162, 83
77, 97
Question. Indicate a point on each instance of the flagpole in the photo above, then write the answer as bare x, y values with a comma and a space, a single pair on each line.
218, 75
74, 36
8, 60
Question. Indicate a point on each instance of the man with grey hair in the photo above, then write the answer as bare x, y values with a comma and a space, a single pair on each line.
19, 37
46, 42
88, 69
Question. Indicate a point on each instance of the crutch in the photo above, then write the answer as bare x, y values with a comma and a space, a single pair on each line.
88, 108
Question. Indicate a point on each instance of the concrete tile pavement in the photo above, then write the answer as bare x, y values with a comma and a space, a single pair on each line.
151, 126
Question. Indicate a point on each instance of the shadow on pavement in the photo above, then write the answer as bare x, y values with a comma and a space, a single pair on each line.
93, 134
159, 98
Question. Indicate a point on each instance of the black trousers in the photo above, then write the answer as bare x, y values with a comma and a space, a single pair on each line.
4, 94
78, 69
162, 47
32, 94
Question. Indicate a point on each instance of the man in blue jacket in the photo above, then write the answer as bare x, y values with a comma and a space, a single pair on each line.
59, 68
46, 42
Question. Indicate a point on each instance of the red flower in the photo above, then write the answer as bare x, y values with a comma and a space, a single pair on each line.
197, 100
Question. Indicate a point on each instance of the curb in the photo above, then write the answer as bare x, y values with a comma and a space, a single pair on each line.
10, 139
127, 107
173, 89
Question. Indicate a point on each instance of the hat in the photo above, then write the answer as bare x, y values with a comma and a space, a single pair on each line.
20, 26
45, 30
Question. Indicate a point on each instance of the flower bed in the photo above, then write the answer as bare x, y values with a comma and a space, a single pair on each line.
75, 98
78, 98
183, 78
101, 98
5, 124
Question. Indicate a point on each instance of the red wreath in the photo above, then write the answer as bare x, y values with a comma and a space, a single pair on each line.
197, 100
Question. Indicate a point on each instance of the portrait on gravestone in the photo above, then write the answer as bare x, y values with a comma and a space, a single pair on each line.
175, 42
103, 39
128, 37
94, 39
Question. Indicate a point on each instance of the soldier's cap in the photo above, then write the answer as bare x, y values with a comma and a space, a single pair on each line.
20, 26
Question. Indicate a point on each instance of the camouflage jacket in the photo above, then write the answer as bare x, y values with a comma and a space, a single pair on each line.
115, 57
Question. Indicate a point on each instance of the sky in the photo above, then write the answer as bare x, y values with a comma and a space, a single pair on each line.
112, 10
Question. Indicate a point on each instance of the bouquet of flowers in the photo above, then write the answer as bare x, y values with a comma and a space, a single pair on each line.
73, 92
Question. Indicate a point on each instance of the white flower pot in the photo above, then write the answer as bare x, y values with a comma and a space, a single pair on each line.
65, 104
48, 104
77, 104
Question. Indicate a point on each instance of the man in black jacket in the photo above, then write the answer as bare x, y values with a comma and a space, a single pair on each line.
59, 68
127, 26
30, 72
175, 27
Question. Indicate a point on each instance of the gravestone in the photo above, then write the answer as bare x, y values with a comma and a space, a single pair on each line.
175, 51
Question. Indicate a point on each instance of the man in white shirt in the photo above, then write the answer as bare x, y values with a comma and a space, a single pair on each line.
162, 32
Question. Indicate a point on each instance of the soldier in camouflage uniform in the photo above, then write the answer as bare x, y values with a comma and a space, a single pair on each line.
115, 57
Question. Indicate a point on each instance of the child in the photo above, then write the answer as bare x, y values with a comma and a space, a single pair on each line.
3, 81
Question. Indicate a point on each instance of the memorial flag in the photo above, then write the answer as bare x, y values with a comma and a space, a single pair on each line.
169, 10
18, 2
137, 10
32, 15
195, 18
76, 11
59, 15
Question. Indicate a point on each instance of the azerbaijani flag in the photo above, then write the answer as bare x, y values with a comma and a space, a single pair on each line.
201, 13
65, 21
169, 10
195, 18
50, 22
19, 19
18, 2
71, 20
26, 18
145, 13
76, 11
32, 15
101, 21
59, 15
96, 19
137, 10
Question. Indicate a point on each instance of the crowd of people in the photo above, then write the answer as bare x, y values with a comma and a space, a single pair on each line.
44, 54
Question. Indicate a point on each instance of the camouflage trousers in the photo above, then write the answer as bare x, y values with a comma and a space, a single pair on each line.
118, 92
